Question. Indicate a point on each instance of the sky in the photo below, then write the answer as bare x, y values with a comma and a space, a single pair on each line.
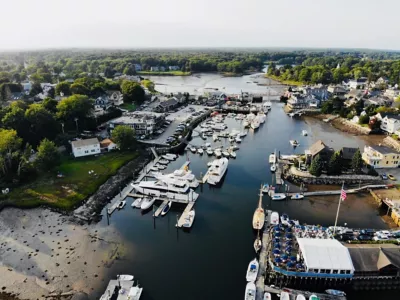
41, 24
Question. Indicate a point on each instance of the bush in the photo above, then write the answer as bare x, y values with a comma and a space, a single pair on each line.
364, 119
372, 172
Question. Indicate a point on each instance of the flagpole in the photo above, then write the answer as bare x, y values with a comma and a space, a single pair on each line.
338, 209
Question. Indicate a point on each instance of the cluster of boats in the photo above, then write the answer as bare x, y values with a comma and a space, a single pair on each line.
122, 288
163, 162
253, 121
270, 190
230, 152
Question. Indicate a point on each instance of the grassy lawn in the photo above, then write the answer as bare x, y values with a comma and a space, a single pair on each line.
166, 73
128, 106
75, 185
288, 82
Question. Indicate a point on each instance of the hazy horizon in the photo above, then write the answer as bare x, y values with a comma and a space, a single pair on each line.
131, 24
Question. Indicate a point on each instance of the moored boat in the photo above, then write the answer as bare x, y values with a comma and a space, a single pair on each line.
135, 292
274, 220
272, 158
218, 153
336, 293
217, 170
125, 277
121, 204
137, 203
189, 219
294, 143
313, 297
238, 139
300, 297
273, 167
278, 196
163, 161
284, 296
166, 208
232, 154
252, 270
297, 197
304, 132
250, 293
209, 151
193, 149
267, 296
147, 203
225, 153
257, 243
200, 151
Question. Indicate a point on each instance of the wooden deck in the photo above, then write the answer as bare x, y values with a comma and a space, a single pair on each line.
184, 215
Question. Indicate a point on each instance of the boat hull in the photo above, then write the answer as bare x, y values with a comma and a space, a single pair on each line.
252, 271
166, 208
146, 204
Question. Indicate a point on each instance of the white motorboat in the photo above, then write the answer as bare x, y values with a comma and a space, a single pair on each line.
238, 139
297, 197
267, 296
250, 293
125, 277
231, 139
163, 161
137, 203
147, 203
255, 124
252, 270
284, 296
209, 151
135, 292
180, 175
261, 117
154, 168
217, 170
232, 154
285, 219
243, 134
171, 155
121, 204
215, 137
166, 208
257, 243
200, 151
246, 123
278, 196
273, 167
189, 219
193, 149
274, 219
218, 153
209, 164
294, 143
300, 297
207, 145
225, 153
272, 158
161, 167
267, 105
218, 126
304, 132
167, 157
235, 147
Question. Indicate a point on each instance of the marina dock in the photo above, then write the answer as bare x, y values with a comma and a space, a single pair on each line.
337, 192
184, 215
293, 293
126, 285
260, 285
160, 208
278, 174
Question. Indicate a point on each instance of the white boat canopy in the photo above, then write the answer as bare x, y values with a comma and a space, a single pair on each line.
325, 256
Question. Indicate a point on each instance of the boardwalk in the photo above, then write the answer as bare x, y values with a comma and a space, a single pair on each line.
337, 192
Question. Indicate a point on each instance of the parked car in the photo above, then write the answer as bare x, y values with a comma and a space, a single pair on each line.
384, 176
365, 238
391, 177
347, 237
369, 232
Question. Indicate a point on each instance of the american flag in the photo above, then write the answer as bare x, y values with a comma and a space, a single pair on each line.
343, 195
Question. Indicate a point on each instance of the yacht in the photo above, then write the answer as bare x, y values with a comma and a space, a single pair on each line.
209, 151
272, 158
137, 203
200, 151
218, 153
273, 167
174, 156
274, 218
125, 283
259, 215
252, 271
125, 277
250, 117
255, 124
179, 175
261, 117
189, 219
217, 170
294, 143
304, 132
147, 203
250, 293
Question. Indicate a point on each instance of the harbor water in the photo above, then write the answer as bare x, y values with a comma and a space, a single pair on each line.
210, 260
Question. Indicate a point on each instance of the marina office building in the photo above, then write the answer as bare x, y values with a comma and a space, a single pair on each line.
144, 123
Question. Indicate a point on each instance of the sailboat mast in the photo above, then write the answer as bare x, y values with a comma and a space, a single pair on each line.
338, 209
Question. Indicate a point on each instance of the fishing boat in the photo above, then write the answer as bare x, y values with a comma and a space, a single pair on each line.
137, 203
274, 220
217, 170
209, 151
232, 154
225, 153
166, 208
284, 296
273, 167
304, 132
121, 204
297, 197
336, 293
250, 293
200, 151
189, 219
147, 203
259, 214
313, 297
300, 297
257, 243
252, 270
278, 196
267, 296
193, 149
294, 143
125, 277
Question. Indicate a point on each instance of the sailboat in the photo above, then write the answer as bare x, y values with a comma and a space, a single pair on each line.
259, 214
257, 243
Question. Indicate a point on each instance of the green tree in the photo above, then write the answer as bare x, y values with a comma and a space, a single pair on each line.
335, 164
63, 87
41, 124
316, 166
132, 92
47, 155
357, 162
36, 89
363, 119
50, 104
130, 70
79, 89
124, 137
10, 144
327, 107
75, 106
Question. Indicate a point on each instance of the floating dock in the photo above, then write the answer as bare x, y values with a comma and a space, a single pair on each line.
184, 215
113, 284
337, 192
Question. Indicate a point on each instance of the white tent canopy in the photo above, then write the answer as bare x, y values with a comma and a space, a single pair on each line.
325, 254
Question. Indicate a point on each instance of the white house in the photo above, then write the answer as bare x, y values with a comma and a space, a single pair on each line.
154, 69
390, 123
174, 68
85, 147
358, 83
107, 145
115, 98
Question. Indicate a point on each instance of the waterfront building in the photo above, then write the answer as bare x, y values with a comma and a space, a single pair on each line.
143, 122
300, 101
337, 91
348, 152
390, 123
85, 147
381, 157
167, 105
318, 148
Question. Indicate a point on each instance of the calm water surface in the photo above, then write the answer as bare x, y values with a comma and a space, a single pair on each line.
210, 261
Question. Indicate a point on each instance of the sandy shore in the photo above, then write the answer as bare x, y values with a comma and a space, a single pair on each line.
43, 253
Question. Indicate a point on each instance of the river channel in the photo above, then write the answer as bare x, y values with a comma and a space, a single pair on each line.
210, 261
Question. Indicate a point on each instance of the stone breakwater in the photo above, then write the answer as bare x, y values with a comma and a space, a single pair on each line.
296, 176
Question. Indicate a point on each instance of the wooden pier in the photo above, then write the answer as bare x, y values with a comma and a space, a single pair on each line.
184, 215
337, 192
278, 173
160, 208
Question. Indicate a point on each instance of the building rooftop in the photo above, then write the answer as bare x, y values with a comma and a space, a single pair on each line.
383, 149
317, 147
372, 259
83, 143
348, 153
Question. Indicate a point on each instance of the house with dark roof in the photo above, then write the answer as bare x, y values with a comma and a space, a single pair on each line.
318, 148
337, 91
167, 105
348, 152
379, 101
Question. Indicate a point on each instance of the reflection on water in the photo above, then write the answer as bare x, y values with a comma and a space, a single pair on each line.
210, 261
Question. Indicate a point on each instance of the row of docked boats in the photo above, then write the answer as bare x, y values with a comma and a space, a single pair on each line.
253, 121
270, 190
163, 162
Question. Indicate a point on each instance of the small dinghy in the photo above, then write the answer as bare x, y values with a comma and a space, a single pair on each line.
125, 277
137, 203
294, 143
300, 297
166, 208
297, 197
313, 297
121, 204
147, 203
267, 296
285, 296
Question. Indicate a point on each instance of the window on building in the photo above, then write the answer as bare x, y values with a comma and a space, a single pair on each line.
93, 150
347, 271
322, 271
342, 272
86, 151
335, 271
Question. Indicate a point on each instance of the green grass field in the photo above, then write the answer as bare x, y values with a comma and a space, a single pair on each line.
128, 106
75, 185
288, 82
166, 73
